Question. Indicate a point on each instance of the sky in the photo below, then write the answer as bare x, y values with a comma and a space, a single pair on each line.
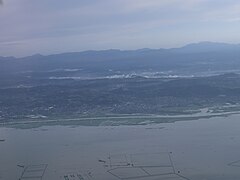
29, 27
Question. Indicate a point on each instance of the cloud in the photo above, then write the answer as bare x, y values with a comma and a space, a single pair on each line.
60, 25
1, 2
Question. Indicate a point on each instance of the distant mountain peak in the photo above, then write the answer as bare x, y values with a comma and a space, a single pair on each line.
207, 46
208, 43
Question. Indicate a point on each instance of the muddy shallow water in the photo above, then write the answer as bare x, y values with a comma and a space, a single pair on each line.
195, 150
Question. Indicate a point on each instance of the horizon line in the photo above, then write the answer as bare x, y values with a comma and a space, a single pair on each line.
113, 49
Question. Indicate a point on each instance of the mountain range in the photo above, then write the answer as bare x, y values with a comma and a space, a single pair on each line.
193, 58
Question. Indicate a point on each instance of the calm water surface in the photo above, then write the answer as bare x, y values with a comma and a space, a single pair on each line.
195, 150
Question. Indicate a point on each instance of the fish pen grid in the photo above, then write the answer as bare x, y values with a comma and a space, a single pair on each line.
143, 166
34, 172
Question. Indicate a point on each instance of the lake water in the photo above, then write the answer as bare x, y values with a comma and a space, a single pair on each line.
205, 149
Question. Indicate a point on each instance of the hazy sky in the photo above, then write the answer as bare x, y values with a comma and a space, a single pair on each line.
53, 26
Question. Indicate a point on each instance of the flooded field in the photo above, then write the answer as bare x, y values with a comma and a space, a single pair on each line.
205, 149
